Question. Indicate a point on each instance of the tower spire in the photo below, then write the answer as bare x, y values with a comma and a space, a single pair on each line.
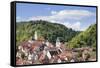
35, 35
58, 42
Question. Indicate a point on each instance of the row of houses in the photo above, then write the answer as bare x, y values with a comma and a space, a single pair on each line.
37, 51
40, 52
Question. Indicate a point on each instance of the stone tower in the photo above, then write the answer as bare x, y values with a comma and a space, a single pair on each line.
58, 42
35, 35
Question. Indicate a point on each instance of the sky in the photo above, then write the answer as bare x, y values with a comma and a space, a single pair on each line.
78, 18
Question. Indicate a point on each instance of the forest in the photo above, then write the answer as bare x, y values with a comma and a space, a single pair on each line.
50, 31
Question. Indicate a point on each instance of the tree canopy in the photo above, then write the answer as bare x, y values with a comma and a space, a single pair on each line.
85, 38
50, 31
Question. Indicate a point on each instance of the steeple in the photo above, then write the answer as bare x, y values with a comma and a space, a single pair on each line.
58, 42
35, 35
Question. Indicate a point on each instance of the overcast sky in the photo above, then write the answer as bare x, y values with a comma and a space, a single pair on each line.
75, 17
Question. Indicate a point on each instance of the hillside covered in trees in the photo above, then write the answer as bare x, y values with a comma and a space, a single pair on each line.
76, 46
86, 38
47, 30
50, 31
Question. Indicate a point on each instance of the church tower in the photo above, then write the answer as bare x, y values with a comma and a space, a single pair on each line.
58, 42
35, 35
